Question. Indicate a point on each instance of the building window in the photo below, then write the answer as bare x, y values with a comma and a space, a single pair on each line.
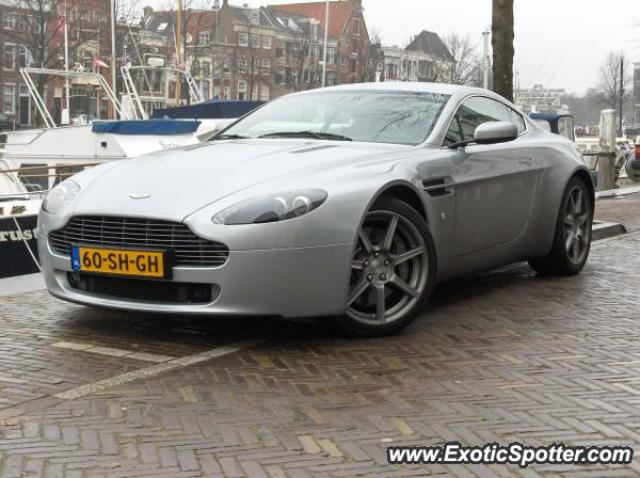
356, 26
204, 38
23, 56
331, 56
255, 41
265, 63
266, 42
242, 90
243, 39
204, 87
242, 64
314, 31
280, 77
9, 21
206, 69
314, 53
9, 57
22, 24
227, 93
264, 93
9, 98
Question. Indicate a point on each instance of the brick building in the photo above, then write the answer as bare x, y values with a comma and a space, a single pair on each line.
32, 34
350, 51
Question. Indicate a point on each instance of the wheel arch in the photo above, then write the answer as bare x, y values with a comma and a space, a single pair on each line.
581, 173
584, 174
406, 192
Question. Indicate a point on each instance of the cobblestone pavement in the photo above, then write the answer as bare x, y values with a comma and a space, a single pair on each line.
623, 209
501, 356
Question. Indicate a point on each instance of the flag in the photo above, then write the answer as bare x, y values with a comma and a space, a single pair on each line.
97, 62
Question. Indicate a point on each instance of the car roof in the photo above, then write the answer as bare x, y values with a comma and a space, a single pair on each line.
457, 91
411, 86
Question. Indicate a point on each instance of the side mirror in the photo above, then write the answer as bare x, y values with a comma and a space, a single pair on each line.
495, 132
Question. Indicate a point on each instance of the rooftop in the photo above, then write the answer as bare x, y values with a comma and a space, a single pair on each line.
339, 13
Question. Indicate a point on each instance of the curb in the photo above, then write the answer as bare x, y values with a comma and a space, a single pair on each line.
604, 230
611, 193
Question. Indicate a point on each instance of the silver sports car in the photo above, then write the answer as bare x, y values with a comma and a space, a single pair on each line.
348, 202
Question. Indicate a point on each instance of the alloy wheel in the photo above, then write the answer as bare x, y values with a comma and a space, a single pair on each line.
577, 225
389, 270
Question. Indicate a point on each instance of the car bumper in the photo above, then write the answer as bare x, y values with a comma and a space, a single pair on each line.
296, 282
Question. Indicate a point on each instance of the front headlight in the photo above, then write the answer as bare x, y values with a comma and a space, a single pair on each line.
61, 197
272, 208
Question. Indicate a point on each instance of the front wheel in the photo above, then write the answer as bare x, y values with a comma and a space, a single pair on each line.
572, 241
392, 270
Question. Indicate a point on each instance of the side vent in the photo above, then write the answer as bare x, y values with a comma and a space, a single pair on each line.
437, 187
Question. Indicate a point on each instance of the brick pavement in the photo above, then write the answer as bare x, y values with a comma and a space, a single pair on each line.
500, 356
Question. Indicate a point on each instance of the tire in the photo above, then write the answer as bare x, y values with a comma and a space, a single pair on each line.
392, 272
572, 240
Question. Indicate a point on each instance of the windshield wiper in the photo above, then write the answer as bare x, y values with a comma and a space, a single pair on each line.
230, 136
307, 134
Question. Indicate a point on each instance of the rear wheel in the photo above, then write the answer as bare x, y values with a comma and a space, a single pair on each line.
572, 241
392, 270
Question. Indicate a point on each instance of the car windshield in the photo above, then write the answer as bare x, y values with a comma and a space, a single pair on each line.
368, 116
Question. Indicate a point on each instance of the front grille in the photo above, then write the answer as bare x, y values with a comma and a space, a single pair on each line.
142, 290
122, 232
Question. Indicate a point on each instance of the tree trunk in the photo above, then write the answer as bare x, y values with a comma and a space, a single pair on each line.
502, 42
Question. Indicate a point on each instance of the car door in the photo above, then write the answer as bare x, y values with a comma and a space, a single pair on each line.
494, 184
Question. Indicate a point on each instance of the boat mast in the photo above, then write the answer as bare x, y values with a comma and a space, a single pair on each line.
178, 49
326, 40
113, 53
65, 117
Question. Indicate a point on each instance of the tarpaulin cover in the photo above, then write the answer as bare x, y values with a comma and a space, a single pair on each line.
214, 109
148, 127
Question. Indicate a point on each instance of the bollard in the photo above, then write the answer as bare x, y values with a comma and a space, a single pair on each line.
606, 171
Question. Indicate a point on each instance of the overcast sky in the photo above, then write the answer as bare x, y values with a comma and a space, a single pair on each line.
559, 43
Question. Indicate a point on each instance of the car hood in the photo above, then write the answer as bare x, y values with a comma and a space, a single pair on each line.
174, 184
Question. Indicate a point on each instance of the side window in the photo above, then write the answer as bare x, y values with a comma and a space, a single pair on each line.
454, 134
478, 110
517, 119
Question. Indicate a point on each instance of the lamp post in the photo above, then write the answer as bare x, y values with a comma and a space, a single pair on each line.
326, 41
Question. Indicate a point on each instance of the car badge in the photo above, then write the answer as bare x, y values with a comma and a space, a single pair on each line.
139, 196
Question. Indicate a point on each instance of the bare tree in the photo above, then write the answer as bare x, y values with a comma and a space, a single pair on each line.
502, 42
200, 45
467, 65
304, 54
606, 93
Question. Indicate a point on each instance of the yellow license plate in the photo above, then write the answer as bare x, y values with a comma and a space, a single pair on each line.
119, 261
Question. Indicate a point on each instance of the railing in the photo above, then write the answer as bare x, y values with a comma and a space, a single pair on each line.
30, 177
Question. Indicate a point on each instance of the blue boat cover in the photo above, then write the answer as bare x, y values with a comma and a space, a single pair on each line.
149, 127
213, 109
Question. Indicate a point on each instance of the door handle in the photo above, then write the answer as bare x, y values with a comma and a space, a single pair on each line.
525, 160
